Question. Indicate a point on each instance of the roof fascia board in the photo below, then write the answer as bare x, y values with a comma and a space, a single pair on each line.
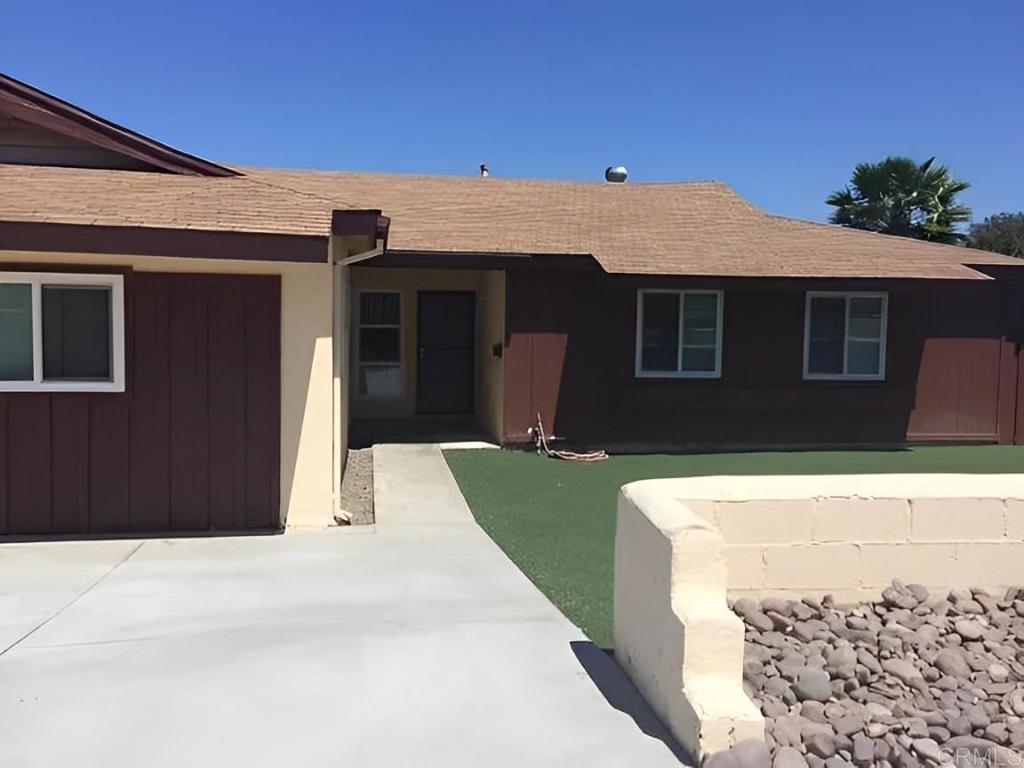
155, 241
40, 108
366, 222
484, 260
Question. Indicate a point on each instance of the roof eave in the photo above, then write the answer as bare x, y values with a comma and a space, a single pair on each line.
160, 241
38, 107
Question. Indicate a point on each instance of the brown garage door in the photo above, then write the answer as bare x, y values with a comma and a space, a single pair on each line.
193, 442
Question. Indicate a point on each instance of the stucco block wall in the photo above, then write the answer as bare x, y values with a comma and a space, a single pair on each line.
1004, 565
852, 520
804, 567
944, 520
682, 545
745, 564
674, 634
1015, 519
763, 522
930, 563
306, 365
850, 535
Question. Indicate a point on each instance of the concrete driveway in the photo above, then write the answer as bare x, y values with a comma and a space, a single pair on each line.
414, 644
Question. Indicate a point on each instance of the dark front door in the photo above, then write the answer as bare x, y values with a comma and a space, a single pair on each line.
445, 352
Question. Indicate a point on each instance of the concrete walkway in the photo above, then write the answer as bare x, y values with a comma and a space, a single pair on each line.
417, 644
412, 485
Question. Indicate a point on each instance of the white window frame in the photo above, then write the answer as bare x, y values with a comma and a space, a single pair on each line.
639, 371
847, 295
400, 365
117, 344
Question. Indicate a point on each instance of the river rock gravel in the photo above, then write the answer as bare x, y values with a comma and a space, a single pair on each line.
356, 497
915, 679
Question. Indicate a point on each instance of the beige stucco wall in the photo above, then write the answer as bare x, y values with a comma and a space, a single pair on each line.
306, 367
491, 332
489, 287
342, 376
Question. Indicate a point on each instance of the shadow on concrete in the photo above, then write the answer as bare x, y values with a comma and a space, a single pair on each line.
620, 693
211, 533
364, 433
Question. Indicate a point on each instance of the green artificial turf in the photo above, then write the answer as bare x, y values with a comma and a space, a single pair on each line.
556, 519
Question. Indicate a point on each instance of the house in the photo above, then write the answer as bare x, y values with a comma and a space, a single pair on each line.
186, 345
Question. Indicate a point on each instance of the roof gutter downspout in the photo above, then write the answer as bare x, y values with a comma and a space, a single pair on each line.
355, 258
359, 224
349, 229
341, 334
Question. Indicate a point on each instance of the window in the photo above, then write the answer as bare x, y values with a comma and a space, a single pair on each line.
61, 332
844, 336
380, 344
679, 334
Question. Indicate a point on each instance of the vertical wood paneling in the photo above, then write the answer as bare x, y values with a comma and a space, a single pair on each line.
227, 403
190, 415
151, 405
271, 370
937, 391
70, 462
1007, 391
518, 362
549, 351
110, 464
1019, 431
957, 390
572, 346
4, 470
194, 442
263, 354
977, 407
29, 469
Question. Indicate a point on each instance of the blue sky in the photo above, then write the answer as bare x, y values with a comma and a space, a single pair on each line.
779, 98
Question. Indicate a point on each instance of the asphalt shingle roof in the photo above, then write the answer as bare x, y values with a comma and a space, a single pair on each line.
684, 228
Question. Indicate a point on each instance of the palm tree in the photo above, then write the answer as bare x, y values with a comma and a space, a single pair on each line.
899, 197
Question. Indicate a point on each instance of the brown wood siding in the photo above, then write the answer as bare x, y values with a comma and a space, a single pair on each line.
958, 379
571, 346
1011, 386
1018, 411
193, 443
